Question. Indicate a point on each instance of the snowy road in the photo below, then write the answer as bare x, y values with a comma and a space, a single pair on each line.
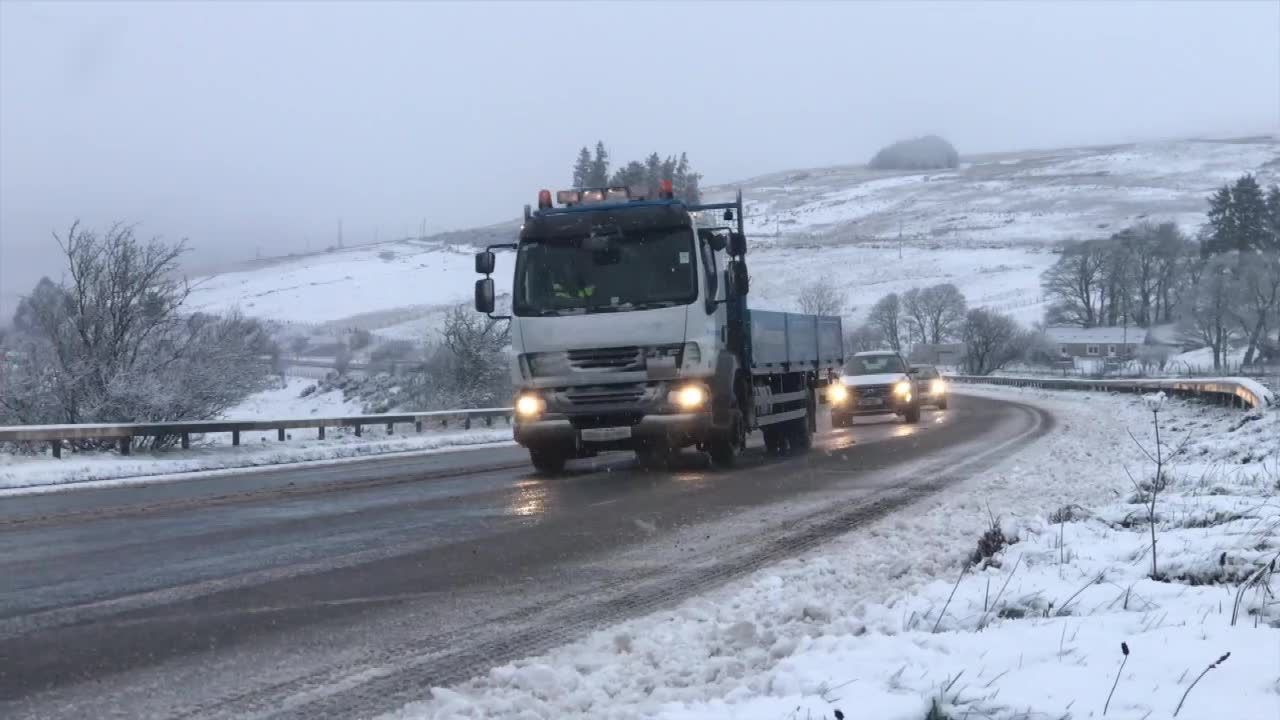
347, 590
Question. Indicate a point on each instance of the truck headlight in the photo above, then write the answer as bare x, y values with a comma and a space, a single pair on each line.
690, 397
529, 405
902, 389
837, 394
938, 386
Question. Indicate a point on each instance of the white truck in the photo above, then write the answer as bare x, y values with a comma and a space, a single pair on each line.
631, 331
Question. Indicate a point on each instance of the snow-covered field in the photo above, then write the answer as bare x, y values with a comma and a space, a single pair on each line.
985, 226
1035, 197
214, 452
884, 624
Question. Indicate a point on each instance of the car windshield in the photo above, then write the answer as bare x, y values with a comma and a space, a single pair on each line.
636, 270
874, 365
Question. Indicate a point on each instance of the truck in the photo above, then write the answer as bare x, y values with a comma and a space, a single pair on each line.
631, 331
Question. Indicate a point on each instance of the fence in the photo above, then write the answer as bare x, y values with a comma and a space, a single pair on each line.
126, 432
1237, 392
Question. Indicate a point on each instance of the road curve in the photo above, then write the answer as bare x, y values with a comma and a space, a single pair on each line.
349, 589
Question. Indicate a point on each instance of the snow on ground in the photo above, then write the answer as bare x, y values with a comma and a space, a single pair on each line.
216, 453
1035, 632
1035, 197
808, 219
287, 401
258, 449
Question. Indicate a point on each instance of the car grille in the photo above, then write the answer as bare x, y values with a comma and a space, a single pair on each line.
615, 359
872, 391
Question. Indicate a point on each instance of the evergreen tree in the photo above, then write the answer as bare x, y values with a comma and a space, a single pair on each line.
633, 174
692, 194
1250, 210
582, 168
1221, 235
1273, 216
680, 176
599, 176
652, 173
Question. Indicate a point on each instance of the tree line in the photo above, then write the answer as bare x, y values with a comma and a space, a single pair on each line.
1220, 287
592, 170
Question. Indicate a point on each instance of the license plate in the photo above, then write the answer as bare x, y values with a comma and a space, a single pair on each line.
870, 402
605, 434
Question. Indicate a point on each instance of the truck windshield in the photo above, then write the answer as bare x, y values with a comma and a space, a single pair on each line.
874, 365
636, 270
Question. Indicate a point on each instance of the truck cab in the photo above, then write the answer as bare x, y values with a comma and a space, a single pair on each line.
629, 327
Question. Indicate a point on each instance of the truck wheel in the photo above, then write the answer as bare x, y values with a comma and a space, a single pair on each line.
912, 415
547, 461
840, 421
775, 439
942, 404
800, 435
725, 446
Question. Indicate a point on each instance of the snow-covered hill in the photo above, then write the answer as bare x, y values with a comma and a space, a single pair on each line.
987, 226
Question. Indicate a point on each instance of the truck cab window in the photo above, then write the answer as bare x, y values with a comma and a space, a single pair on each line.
709, 268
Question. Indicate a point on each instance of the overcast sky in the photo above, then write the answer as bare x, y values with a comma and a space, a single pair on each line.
246, 126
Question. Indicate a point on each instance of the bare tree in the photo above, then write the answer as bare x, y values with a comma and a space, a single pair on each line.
863, 338
1212, 315
886, 316
992, 340
914, 316
469, 368
822, 297
112, 345
1074, 285
1258, 284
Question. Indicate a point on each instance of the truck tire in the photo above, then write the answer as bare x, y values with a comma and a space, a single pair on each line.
727, 445
547, 461
800, 435
942, 403
912, 415
775, 438
841, 421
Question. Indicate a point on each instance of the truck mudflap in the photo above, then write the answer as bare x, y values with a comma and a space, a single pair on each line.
677, 429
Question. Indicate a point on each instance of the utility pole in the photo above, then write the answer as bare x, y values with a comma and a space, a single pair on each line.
422, 230
339, 233
899, 239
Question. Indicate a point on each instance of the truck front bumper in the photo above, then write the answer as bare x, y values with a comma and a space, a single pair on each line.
676, 429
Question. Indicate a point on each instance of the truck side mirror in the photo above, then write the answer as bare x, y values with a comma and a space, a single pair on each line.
484, 291
737, 244
736, 279
484, 262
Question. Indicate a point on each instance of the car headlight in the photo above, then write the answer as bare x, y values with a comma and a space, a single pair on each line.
837, 394
529, 405
902, 389
938, 386
690, 397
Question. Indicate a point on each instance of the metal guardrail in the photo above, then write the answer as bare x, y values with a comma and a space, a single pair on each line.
1227, 391
125, 432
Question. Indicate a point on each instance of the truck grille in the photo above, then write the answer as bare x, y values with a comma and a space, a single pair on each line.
616, 359
589, 396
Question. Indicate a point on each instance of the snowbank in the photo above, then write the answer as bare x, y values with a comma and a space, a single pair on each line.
257, 450
1033, 632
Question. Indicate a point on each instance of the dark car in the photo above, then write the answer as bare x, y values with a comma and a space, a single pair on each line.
930, 387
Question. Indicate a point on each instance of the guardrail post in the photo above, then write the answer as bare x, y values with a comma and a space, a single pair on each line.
466, 422
359, 430
417, 425
321, 432
390, 428
508, 417
56, 447
126, 445
235, 437
186, 441
488, 420
280, 434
